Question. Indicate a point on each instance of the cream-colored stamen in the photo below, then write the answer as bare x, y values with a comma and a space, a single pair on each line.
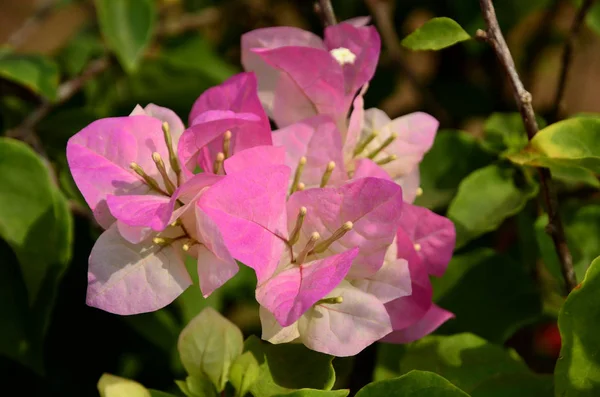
343, 55
385, 144
160, 166
338, 234
417, 247
308, 248
298, 174
148, 179
363, 144
172, 156
386, 160
327, 173
336, 300
218, 163
162, 241
295, 235
300, 186
227, 144
188, 245
419, 192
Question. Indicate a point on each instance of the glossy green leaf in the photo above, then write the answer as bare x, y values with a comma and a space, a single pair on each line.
315, 393
208, 345
244, 372
436, 34
491, 295
127, 27
466, 360
485, 199
115, 386
577, 372
506, 132
571, 142
286, 367
453, 156
414, 383
36, 72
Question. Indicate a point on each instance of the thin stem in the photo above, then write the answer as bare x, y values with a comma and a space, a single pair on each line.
326, 10
555, 228
567, 57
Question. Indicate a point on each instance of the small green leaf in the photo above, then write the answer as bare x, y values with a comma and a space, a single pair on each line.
485, 199
79, 51
414, 383
453, 156
577, 372
36, 72
505, 132
315, 393
435, 34
286, 367
127, 27
243, 374
208, 345
481, 288
466, 360
115, 386
197, 386
572, 142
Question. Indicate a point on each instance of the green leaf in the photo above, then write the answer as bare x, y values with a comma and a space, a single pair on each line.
158, 393
435, 34
197, 386
36, 72
490, 294
208, 345
466, 360
572, 142
286, 367
79, 51
159, 328
506, 132
115, 386
243, 374
414, 383
453, 156
593, 18
515, 385
574, 175
316, 393
34, 217
577, 372
192, 302
485, 199
127, 27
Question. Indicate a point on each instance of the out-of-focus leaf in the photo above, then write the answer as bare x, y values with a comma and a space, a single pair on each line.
315, 393
485, 199
208, 345
158, 393
286, 367
244, 372
574, 175
36, 72
571, 142
515, 385
78, 52
115, 386
577, 372
414, 383
490, 294
127, 27
506, 132
465, 360
197, 386
158, 327
436, 34
191, 302
453, 156
593, 18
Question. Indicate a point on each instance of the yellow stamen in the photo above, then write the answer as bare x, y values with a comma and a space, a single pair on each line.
336, 300
172, 156
386, 160
163, 241
309, 247
218, 163
160, 166
419, 192
298, 174
295, 235
362, 145
148, 179
327, 173
188, 245
300, 186
338, 234
417, 247
226, 143
385, 144
177, 222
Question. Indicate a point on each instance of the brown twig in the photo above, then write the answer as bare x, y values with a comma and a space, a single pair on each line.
567, 57
326, 10
30, 25
555, 228
382, 15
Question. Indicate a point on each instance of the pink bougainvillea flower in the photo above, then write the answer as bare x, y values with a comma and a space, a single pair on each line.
300, 75
128, 172
313, 149
224, 120
426, 240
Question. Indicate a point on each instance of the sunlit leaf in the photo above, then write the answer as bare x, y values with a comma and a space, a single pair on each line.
36, 72
414, 383
435, 34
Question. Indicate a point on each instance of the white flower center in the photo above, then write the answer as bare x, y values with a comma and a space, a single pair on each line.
343, 55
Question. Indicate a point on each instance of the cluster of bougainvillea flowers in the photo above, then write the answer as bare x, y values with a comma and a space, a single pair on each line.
321, 208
